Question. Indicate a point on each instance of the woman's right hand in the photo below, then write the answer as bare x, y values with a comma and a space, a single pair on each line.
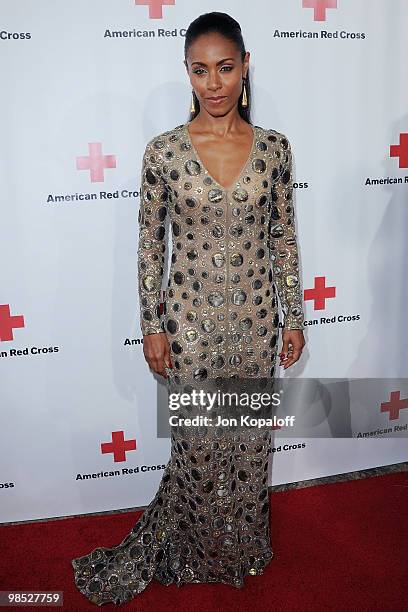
156, 350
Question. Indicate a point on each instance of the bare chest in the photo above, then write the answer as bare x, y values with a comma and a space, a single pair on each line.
224, 160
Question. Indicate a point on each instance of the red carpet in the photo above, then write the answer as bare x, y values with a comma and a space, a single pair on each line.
340, 546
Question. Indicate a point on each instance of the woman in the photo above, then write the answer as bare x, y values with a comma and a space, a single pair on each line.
227, 188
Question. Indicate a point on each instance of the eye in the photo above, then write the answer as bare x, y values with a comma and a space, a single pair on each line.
200, 71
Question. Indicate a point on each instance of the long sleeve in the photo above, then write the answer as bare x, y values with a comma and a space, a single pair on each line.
283, 244
152, 247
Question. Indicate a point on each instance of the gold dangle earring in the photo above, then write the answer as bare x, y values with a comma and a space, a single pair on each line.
244, 95
192, 107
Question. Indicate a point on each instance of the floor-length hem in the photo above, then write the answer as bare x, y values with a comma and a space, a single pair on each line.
209, 527
118, 597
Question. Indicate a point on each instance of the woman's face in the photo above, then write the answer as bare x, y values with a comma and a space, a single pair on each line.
215, 69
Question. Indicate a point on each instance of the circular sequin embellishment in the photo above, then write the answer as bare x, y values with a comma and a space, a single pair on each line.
261, 145
239, 297
240, 195
215, 195
218, 260
149, 283
208, 325
192, 167
216, 299
259, 165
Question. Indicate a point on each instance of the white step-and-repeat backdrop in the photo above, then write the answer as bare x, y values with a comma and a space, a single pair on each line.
84, 86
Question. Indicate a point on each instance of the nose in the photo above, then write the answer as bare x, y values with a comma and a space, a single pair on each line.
214, 81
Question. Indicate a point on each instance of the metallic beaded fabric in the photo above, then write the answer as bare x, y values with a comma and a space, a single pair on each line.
234, 252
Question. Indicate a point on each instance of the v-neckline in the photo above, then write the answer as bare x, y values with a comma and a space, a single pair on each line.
237, 178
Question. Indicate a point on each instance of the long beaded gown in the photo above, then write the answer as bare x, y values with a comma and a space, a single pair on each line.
234, 252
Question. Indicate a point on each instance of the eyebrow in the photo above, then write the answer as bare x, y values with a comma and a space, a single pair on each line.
220, 62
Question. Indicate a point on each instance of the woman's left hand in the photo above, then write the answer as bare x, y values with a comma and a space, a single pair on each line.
292, 346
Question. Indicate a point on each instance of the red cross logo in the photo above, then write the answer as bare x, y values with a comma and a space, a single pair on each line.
96, 162
394, 405
320, 7
401, 151
118, 446
155, 7
8, 323
320, 293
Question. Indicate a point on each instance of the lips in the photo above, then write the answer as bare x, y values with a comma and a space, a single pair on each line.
218, 100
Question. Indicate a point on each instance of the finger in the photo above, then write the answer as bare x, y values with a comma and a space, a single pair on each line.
285, 345
155, 364
167, 359
160, 368
292, 359
289, 346
161, 365
285, 349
